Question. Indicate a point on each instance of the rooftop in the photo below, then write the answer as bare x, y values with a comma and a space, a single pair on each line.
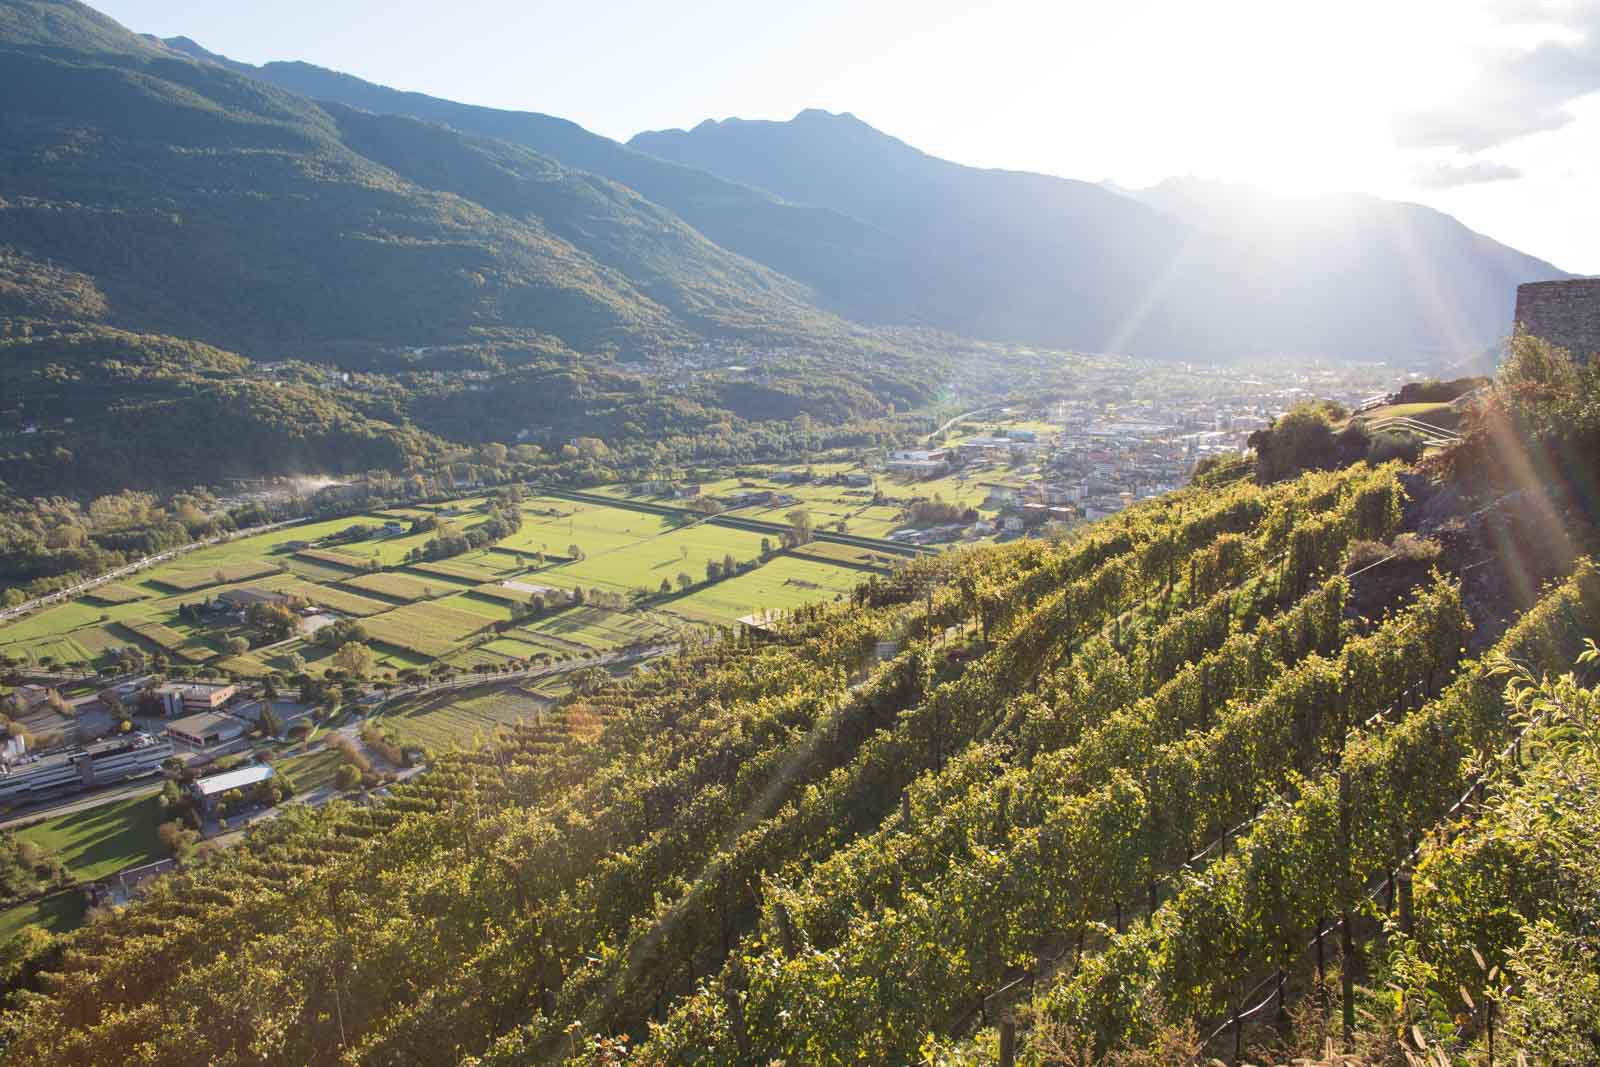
235, 779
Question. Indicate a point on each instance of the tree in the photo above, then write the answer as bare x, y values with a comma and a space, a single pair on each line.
713, 570
297, 663
666, 586
574, 551
237, 646
271, 722
800, 524
730, 566
355, 659
347, 777
766, 547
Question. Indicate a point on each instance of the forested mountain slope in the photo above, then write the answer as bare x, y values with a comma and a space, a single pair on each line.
791, 849
196, 202
851, 264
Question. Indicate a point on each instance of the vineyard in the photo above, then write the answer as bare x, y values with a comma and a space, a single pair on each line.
1158, 787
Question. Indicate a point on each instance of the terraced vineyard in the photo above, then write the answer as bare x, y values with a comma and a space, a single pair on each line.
1123, 781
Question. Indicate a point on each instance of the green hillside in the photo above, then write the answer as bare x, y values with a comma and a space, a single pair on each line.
1104, 775
190, 200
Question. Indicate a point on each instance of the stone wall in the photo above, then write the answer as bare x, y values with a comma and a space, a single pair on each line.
1564, 313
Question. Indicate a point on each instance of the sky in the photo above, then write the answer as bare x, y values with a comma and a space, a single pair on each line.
1486, 109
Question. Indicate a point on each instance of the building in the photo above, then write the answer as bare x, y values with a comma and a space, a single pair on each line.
207, 730
1567, 314
193, 698
207, 791
82, 768
919, 463
858, 480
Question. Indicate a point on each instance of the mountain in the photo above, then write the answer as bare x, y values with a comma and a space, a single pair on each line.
195, 201
1361, 250
851, 265
1043, 259
154, 206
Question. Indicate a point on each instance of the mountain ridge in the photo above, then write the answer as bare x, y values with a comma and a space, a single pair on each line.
1174, 270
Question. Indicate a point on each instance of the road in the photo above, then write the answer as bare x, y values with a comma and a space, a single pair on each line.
139, 787
974, 413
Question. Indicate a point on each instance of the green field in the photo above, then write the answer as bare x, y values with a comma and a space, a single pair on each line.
475, 573
589, 628
115, 593
420, 612
401, 586
310, 770
188, 579
341, 600
444, 720
57, 914
431, 630
780, 585
96, 842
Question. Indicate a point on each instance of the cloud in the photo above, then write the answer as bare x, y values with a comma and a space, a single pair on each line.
1517, 91
1444, 175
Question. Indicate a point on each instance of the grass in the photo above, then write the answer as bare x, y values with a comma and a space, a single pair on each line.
849, 556
97, 842
427, 629
623, 549
783, 584
338, 599
444, 720
188, 579
1434, 414
401, 586
116, 593
591, 628
466, 572
310, 770
57, 914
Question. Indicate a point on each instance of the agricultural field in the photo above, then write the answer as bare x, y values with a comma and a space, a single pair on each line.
116, 593
419, 612
447, 720
782, 584
482, 568
337, 599
310, 770
850, 556
188, 579
401, 586
432, 630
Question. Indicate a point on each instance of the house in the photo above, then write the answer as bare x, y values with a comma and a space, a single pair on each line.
207, 730
859, 480
193, 697
393, 528
208, 791
684, 492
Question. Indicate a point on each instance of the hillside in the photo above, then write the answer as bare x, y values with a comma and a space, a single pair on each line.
196, 202
1048, 260
848, 263
1105, 764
